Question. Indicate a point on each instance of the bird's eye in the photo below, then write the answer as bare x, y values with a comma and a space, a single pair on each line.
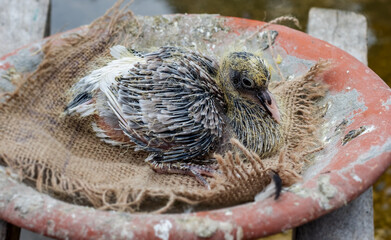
247, 83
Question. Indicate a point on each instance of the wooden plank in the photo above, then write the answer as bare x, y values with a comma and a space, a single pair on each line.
22, 22
348, 31
3, 230
9, 231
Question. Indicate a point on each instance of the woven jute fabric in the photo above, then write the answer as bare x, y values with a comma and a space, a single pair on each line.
63, 157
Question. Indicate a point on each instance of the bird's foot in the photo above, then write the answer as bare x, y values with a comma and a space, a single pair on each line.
192, 169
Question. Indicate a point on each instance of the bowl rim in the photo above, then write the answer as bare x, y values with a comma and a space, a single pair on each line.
347, 174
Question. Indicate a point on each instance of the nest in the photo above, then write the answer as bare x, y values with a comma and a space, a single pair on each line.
63, 157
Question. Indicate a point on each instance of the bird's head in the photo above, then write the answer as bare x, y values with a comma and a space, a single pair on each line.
245, 75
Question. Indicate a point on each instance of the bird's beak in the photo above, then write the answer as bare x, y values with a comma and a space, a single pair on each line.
269, 103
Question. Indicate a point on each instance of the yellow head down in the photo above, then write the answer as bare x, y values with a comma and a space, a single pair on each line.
246, 76
251, 108
243, 72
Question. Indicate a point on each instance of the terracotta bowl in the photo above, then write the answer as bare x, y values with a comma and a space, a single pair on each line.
358, 105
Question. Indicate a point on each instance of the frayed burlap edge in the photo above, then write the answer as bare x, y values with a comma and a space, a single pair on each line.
241, 175
301, 116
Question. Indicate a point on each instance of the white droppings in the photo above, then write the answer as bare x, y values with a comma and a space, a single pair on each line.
347, 71
11, 173
205, 227
324, 192
50, 227
269, 210
162, 229
228, 213
25, 205
228, 236
291, 77
369, 129
239, 233
386, 104
356, 178
125, 234
325, 187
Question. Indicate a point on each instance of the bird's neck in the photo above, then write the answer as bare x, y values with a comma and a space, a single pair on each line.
253, 126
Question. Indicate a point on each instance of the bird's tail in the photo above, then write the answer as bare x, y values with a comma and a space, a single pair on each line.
82, 97
84, 93
81, 103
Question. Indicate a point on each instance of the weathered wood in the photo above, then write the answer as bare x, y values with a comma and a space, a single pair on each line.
348, 31
22, 22
3, 230
353, 221
9, 231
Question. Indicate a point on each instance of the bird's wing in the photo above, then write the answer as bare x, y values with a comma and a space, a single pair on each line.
168, 105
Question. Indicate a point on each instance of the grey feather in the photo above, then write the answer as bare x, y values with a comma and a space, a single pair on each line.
168, 105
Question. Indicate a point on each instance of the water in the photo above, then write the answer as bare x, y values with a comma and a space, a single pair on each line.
70, 14
74, 13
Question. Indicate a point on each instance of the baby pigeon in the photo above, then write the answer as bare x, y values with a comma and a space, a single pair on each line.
180, 106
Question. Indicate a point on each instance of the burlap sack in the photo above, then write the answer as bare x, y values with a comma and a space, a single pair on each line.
63, 157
